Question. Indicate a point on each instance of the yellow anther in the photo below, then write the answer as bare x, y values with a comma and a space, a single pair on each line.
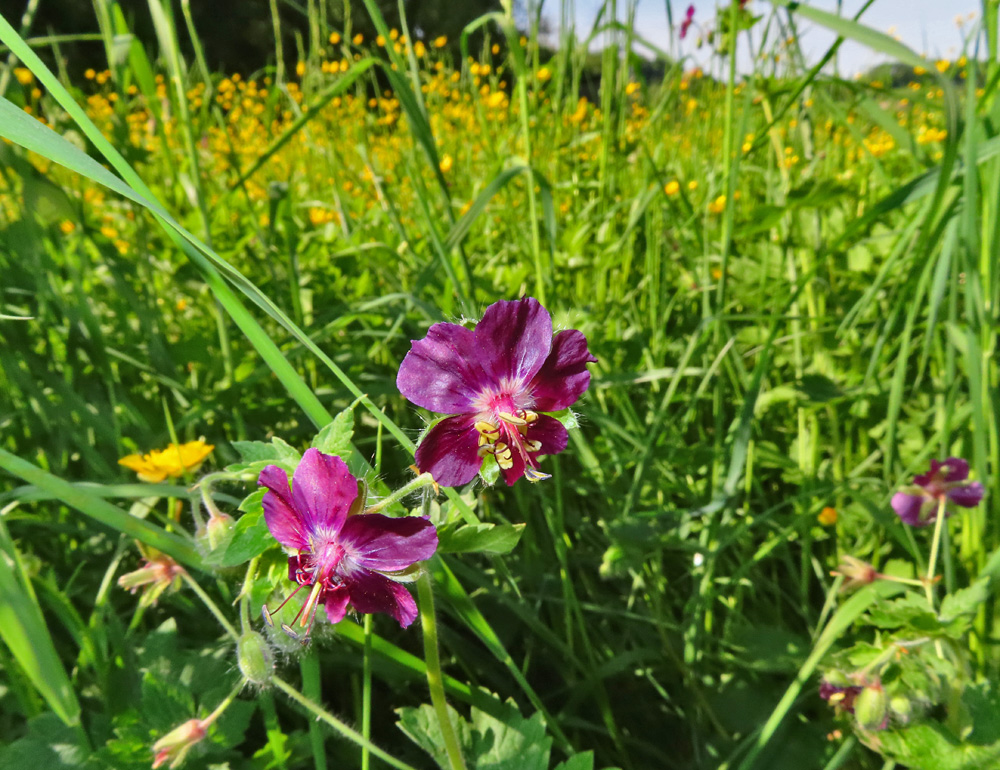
511, 419
532, 446
488, 431
529, 417
504, 458
533, 475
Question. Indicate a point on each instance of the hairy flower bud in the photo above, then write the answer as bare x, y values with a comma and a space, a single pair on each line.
871, 708
254, 657
216, 533
901, 708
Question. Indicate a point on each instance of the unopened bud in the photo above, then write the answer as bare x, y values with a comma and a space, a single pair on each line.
901, 707
871, 708
220, 531
175, 745
254, 657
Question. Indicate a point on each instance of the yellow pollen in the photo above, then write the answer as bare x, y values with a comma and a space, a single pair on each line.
487, 431
532, 446
511, 419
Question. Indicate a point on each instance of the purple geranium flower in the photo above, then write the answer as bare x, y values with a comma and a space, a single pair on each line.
495, 380
687, 22
348, 560
841, 697
917, 504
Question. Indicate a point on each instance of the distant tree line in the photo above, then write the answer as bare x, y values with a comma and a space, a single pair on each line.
239, 35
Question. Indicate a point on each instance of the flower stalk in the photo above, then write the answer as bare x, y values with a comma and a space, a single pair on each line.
435, 680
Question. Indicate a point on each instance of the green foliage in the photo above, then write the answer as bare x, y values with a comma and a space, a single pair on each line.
508, 743
664, 599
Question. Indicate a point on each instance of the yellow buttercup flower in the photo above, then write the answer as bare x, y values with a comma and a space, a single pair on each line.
23, 75
167, 463
827, 517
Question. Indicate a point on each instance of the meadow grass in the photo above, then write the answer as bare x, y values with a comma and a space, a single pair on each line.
788, 278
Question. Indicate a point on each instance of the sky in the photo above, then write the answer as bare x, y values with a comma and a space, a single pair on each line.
926, 26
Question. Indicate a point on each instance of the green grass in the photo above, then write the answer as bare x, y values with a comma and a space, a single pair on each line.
195, 257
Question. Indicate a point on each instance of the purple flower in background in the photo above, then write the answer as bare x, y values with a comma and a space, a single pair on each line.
494, 380
687, 22
840, 697
917, 504
347, 560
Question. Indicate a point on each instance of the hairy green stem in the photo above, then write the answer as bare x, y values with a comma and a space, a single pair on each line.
212, 606
325, 716
435, 681
421, 481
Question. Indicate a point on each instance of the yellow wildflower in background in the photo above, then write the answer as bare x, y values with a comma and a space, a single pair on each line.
23, 75
827, 517
440, 42
544, 74
446, 163
171, 462
334, 38
672, 187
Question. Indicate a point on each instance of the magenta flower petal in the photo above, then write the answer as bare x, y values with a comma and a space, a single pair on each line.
280, 514
967, 495
323, 490
386, 544
371, 592
441, 372
563, 377
335, 601
513, 339
551, 433
450, 451
910, 508
958, 469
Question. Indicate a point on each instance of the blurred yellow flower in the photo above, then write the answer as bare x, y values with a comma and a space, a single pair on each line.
942, 65
300, 68
358, 39
334, 38
171, 462
693, 185
631, 88
827, 517
672, 187
440, 42
23, 75
544, 74
67, 226
446, 163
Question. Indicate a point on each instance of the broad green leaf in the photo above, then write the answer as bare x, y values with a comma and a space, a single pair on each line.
251, 538
496, 539
335, 438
